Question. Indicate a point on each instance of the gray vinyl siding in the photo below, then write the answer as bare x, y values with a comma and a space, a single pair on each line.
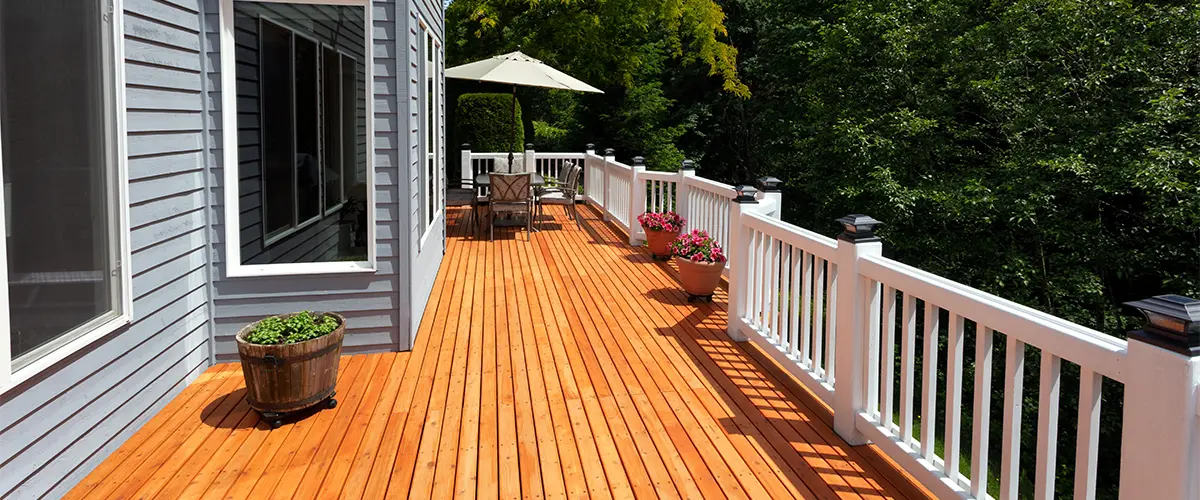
425, 261
58, 426
372, 303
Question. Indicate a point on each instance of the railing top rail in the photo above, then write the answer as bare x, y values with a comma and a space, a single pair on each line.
558, 156
815, 243
659, 176
492, 156
622, 168
1084, 346
712, 186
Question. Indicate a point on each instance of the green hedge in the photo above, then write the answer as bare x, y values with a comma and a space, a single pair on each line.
485, 120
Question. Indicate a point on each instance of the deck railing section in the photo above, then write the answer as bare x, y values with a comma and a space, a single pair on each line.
844, 320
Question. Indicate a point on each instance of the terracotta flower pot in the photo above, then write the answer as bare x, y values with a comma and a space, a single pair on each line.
660, 242
699, 279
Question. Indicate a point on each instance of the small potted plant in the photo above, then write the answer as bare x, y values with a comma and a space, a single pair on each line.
700, 260
290, 362
661, 230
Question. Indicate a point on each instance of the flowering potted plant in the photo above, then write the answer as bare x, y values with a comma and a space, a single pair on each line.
700, 261
661, 230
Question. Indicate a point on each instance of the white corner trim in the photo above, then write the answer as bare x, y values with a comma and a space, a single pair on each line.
229, 156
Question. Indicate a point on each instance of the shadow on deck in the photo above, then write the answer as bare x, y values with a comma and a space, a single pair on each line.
571, 365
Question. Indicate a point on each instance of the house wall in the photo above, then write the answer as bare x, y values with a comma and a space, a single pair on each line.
375, 304
56, 427
426, 251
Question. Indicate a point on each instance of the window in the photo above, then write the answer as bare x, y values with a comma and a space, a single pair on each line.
61, 153
431, 174
300, 198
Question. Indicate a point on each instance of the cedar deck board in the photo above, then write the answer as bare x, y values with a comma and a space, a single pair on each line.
567, 366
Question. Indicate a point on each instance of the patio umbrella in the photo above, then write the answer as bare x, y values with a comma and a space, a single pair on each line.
518, 69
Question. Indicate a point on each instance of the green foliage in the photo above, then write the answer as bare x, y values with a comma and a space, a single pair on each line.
297, 328
1047, 151
485, 121
549, 138
628, 48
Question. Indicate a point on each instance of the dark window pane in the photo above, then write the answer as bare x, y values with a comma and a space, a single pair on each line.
57, 171
350, 138
331, 82
308, 134
277, 133
319, 133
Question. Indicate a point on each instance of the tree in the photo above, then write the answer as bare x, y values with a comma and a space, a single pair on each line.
625, 47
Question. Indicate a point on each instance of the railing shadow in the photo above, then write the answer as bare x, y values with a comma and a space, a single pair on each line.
768, 407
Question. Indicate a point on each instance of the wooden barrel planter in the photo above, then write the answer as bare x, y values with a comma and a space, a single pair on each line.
287, 378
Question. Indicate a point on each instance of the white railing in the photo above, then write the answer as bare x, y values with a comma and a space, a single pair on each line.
788, 299
708, 205
593, 178
619, 194
551, 164
846, 322
661, 191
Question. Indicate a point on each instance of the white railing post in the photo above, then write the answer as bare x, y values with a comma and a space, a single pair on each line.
687, 169
856, 295
609, 157
588, 182
738, 254
530, 159
1160, 441
637, 200
771, 189
468, 170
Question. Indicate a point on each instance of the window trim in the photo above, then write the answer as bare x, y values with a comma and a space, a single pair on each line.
435, 121
116, 137
234, 268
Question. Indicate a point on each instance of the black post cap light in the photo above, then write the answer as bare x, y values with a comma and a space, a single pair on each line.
639, 161
591, 147
609, 151
528, 146
770, 184
466, 146
746, 194
687, 165
1174, 323
858, 228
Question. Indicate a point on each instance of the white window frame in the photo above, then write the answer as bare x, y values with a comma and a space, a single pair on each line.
41, 358
429, 121
233, 258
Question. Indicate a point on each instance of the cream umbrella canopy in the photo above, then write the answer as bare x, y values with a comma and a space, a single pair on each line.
518, 69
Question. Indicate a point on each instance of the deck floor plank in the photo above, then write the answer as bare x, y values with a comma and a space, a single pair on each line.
568, 366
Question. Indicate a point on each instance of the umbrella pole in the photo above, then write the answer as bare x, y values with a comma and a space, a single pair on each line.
513, 129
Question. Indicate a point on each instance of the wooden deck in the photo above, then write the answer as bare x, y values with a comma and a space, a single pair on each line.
569, 366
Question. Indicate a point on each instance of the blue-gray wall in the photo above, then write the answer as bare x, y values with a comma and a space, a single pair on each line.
423, 261
56, 427
377, 306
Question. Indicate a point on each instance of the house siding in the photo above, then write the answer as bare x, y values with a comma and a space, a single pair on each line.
57, 426
60, 424
425, 259
370, 302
